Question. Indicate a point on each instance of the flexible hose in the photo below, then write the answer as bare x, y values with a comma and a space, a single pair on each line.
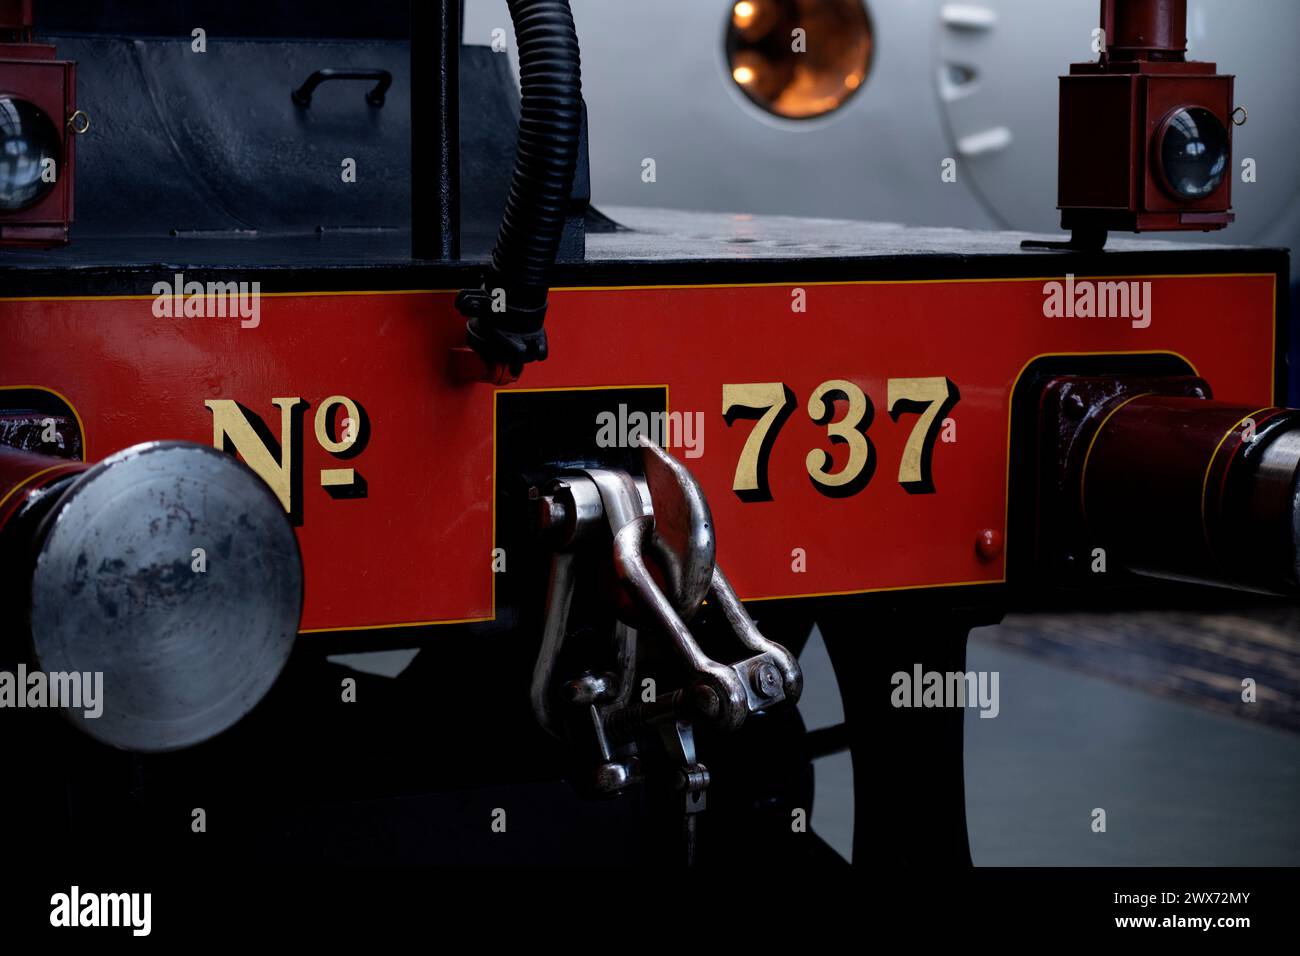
506, 314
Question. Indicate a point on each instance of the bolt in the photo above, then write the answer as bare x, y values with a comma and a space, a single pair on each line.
616, 775
692, 779
707, 701
589, 689
765, 679
552, 513
988, 544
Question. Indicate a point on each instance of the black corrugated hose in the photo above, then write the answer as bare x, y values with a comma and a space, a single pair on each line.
550, 127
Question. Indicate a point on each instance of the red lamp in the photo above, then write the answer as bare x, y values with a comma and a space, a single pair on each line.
1146, 135
39, 122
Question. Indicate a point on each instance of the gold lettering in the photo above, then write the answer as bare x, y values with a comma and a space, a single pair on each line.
349, 433
232, 431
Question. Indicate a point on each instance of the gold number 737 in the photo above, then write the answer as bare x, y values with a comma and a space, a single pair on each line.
771, 403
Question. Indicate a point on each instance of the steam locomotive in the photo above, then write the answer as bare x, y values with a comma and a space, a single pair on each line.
337, 356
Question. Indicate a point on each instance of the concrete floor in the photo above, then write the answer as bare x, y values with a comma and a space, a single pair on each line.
1181, 786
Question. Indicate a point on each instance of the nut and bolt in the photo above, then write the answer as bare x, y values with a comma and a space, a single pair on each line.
766, 680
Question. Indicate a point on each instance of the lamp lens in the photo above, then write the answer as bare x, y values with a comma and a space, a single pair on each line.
1194, 152
27, 139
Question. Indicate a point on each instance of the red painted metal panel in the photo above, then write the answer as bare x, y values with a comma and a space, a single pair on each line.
417, 547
